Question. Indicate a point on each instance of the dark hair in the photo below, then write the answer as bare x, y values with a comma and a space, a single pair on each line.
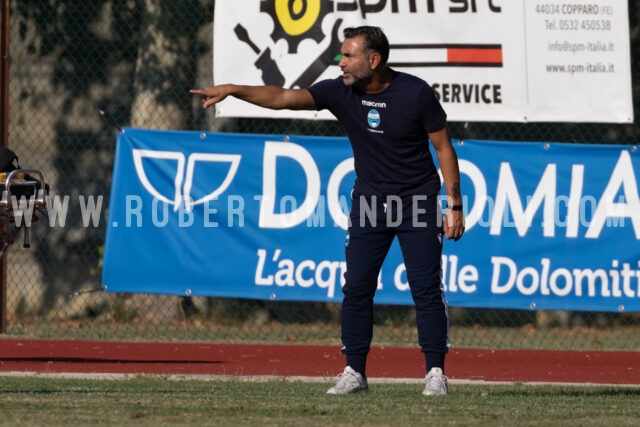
374, 39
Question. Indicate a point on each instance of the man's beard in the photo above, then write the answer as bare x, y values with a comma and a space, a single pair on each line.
356, 80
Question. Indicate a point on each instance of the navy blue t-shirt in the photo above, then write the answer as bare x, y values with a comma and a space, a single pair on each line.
388, 133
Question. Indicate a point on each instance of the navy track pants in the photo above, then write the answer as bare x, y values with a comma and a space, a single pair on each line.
374, 223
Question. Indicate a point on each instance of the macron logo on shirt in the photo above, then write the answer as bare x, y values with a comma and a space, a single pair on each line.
374, 104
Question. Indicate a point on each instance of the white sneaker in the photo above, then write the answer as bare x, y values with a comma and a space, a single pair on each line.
349, 382
436, 383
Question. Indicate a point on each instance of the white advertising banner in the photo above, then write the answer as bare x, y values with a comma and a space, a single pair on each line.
487, 60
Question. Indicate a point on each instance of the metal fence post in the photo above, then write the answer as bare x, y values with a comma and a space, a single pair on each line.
4, 138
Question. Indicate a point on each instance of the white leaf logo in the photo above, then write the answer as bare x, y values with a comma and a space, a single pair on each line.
182, 193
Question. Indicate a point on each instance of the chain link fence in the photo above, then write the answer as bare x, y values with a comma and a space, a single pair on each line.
136, 60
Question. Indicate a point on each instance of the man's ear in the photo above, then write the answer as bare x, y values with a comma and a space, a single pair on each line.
374, 60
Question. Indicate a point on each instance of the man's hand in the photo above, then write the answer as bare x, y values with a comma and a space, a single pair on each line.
453, 224
211, 95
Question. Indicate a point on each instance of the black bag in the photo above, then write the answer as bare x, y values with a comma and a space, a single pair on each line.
8, 160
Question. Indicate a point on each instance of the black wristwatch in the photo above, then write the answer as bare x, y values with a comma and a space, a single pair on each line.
456, 208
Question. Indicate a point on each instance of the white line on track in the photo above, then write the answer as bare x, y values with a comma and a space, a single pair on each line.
266, 378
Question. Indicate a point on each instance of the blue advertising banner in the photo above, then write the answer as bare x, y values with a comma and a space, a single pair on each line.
548, 226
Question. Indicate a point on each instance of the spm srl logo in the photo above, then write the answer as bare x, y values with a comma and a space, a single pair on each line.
294, 21
297, 20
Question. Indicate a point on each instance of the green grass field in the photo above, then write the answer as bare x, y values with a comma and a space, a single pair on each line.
158, 401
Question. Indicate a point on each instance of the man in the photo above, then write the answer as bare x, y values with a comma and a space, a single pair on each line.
389, 118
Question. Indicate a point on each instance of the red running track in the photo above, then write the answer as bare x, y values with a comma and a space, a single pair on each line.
64, 356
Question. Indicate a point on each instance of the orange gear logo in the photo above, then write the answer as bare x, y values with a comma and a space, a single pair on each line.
297, 20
